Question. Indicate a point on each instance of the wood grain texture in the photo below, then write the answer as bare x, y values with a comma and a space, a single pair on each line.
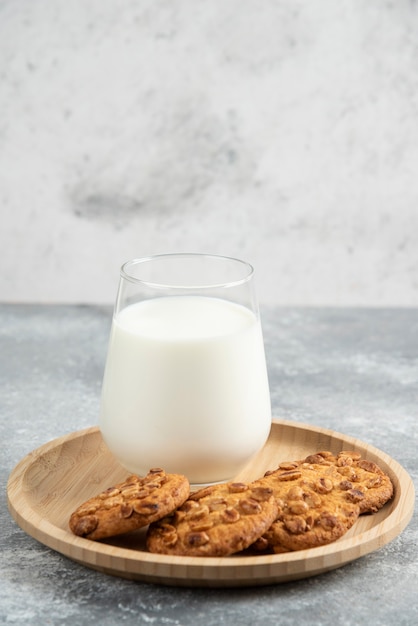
50, 482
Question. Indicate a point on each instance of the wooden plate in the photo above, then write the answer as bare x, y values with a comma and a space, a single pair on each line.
50, 482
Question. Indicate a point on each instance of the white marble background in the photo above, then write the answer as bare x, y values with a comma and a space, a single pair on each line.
284, 132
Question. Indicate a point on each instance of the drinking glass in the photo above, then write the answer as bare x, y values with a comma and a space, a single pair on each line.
185, 386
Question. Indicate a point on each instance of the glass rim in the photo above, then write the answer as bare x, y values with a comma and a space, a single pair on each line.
124, 271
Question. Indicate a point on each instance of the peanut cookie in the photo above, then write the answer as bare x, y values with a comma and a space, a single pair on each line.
313, 510
215, 521
366, 477
364, 481
130, 505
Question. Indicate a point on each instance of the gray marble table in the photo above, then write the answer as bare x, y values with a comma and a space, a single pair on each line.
351, 370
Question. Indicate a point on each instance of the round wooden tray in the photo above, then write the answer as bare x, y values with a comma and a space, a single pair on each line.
50, 482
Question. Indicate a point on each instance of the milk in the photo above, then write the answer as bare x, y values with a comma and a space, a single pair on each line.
185, 387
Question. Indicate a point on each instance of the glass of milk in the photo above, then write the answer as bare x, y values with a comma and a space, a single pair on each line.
185, 386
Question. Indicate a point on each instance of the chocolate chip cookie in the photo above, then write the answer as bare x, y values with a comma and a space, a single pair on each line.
130, 505
215, 521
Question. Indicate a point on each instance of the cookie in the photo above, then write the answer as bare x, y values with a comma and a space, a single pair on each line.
313, 510
130, 505
363, 480
215, 521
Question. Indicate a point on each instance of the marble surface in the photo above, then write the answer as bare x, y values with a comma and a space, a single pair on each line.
282, 132
351, 370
